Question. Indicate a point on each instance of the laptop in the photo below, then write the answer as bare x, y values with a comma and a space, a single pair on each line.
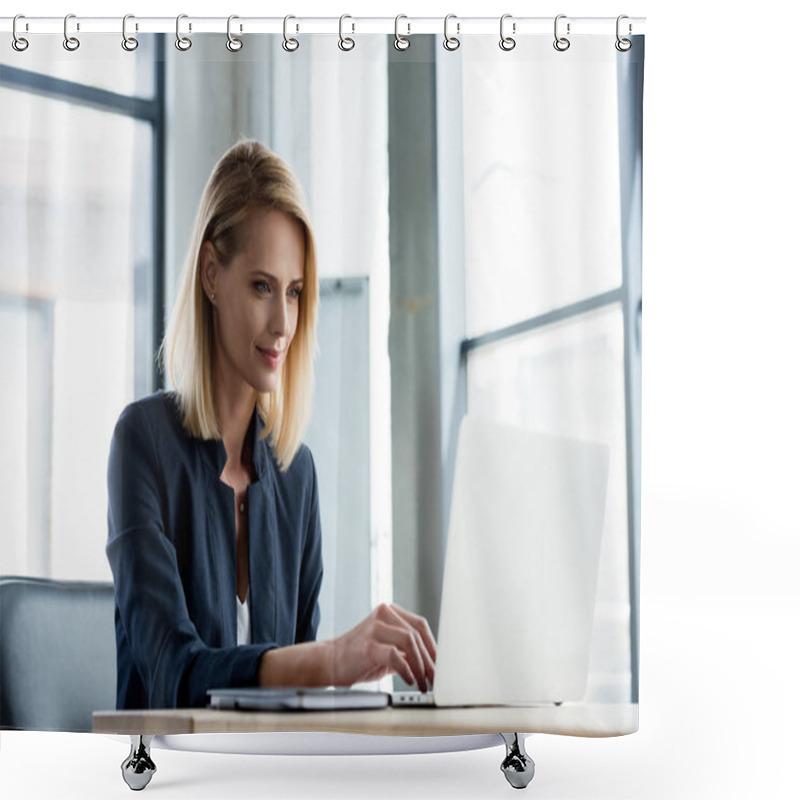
515, 624
523, 548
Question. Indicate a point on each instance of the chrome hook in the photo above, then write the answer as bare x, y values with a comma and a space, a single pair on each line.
451, 43
71, 43
346, 43
129, 43
506, 42
19, 43
400, 42
561, 43
183, 43
623, 45
233, 44
289, 45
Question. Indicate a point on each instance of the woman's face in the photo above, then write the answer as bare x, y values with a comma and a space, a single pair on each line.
256, 300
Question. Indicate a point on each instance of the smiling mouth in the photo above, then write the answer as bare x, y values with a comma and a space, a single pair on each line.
272, 357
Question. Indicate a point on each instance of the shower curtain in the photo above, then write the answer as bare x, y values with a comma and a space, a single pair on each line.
477, 211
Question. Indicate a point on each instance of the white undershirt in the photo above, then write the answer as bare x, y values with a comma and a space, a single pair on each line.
243, 619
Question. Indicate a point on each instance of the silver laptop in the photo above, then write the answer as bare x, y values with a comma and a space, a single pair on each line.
526, 523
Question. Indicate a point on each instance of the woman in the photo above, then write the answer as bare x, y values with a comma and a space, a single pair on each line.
214, 532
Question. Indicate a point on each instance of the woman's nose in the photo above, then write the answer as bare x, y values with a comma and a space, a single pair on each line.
280, 318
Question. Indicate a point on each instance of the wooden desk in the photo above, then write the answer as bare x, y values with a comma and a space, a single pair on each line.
573, 720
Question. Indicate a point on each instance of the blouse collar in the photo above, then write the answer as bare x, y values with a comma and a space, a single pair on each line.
214, 449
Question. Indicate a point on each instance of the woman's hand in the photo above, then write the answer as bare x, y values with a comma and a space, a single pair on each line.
389, 640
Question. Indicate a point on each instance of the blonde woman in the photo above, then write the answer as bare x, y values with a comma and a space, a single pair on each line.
213, 520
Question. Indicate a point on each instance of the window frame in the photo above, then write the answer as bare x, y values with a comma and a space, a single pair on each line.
437, 92
627, 296
149, 110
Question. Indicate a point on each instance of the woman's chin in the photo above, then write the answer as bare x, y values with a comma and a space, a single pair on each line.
265, 384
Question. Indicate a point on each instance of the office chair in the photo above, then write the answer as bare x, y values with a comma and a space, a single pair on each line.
57, 653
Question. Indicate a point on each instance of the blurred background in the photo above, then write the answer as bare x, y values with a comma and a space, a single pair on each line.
476, 254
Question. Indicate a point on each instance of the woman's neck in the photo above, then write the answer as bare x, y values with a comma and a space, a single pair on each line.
234, 411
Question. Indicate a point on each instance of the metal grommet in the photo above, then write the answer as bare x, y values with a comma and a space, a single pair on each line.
623, 45
19, 43
233, 44
183, 43
561, 43
129, 43
400, 42
290, 45
71, 43
506, 42
345, 42
451, 42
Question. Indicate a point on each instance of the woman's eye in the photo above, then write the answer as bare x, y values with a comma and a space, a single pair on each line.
295, 292
261, 286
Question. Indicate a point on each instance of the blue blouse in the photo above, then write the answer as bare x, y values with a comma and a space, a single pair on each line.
172, 550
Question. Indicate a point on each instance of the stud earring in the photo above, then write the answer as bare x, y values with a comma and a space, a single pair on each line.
213, 295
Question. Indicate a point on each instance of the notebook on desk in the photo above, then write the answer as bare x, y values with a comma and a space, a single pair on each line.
267, 699
523, 547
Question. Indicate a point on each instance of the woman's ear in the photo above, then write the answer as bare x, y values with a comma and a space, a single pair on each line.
208, 270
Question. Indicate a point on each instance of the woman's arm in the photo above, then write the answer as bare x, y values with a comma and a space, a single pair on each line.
389, 640
160, 643
162, 662
310, 582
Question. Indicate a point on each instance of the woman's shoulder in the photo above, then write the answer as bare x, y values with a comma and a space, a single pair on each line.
298, 484
159, 412
301, 470
303, 460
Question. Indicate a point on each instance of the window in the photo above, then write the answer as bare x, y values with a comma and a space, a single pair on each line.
547, 289
80, 273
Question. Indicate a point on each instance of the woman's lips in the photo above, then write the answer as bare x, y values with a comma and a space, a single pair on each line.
271, 357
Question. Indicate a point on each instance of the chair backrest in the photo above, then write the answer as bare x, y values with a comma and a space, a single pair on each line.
57, 653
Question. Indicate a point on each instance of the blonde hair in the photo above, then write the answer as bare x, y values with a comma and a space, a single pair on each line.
249, 176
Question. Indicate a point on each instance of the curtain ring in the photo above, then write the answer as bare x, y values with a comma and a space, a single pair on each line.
129, 43
561, 43
19, 43
70, 42
346, 43
289, 45
623, 45
183, 43
233, 44
451, 42
506, 42
400, 42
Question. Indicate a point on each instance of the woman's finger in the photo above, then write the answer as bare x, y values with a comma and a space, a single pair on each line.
420, 624
406, 640
392, 657
399, 617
